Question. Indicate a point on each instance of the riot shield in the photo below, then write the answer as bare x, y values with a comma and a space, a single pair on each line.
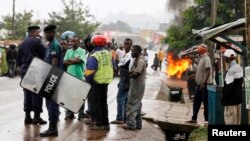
56, 85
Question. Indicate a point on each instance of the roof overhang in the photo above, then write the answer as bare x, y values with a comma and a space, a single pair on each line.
216, 33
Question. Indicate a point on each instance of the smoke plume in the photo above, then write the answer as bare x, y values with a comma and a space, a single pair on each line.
176, 7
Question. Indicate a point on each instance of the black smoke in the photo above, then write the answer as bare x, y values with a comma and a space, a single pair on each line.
176, 7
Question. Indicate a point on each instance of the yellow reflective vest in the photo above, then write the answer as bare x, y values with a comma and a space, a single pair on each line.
104, 73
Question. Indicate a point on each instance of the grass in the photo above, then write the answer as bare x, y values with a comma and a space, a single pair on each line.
200, 134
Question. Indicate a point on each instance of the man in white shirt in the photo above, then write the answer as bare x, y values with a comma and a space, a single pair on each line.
232, 90
120, 52
125, 66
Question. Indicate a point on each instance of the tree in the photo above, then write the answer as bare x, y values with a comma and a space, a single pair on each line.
197, 17
75, 17
1, 24
118, 26
22, 21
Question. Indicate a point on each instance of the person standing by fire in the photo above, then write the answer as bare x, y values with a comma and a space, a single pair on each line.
161, 55
202, 78
232, 90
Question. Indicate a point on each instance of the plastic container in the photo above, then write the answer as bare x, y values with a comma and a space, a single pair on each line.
215, 108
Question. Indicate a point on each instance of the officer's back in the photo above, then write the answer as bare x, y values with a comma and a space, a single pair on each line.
29, 48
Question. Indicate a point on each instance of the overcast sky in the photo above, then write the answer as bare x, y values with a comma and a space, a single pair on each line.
99, 8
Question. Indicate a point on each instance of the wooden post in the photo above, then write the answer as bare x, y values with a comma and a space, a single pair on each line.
13, 20
213, 11
247, 15
213, 22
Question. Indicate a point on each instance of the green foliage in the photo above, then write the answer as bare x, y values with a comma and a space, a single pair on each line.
199, 134
198, 17
1, 24
22, 21
118, 26
74, 17
230, 10
200, 2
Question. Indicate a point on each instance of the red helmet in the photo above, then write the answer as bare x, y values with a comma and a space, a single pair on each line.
99, 40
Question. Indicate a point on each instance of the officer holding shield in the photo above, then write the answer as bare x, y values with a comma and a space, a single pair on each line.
54, 57
29, 48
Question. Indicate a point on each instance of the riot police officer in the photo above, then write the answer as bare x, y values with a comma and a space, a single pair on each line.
29, 48
54, 57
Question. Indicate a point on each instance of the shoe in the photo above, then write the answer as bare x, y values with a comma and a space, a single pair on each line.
192, 121
99, 128
38, 121
51, 132
28, 120
89, 122
138, 128
107, 127
129, 128
69, 117
117, 122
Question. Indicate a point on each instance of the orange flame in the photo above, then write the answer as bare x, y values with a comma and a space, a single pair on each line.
176, 66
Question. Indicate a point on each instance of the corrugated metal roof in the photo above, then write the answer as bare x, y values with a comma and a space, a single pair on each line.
237, 38
208, 32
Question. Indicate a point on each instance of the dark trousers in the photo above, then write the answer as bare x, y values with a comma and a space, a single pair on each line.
90, 103
32, 102
89, 110
100, 106
69, 113
199, 97
12, 67
160, 62
154, 67
53, 111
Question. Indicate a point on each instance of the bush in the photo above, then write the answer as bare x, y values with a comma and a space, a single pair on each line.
199, 134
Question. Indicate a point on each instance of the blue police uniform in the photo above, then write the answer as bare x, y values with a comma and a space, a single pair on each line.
29, 48
53, 50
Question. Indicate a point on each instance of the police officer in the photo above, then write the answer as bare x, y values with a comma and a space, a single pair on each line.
11, 59
54, 57
29, 48
99, 72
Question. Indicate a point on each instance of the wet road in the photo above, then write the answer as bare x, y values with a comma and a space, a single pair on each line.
12, 126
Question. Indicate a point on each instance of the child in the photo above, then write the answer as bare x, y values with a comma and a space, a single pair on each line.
156, 63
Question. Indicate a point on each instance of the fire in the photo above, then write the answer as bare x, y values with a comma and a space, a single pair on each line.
176, 66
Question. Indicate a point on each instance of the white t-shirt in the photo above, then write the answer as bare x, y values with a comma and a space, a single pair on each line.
125, 58
234, 72
120, 53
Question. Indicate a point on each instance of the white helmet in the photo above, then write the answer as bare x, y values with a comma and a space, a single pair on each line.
229, 53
